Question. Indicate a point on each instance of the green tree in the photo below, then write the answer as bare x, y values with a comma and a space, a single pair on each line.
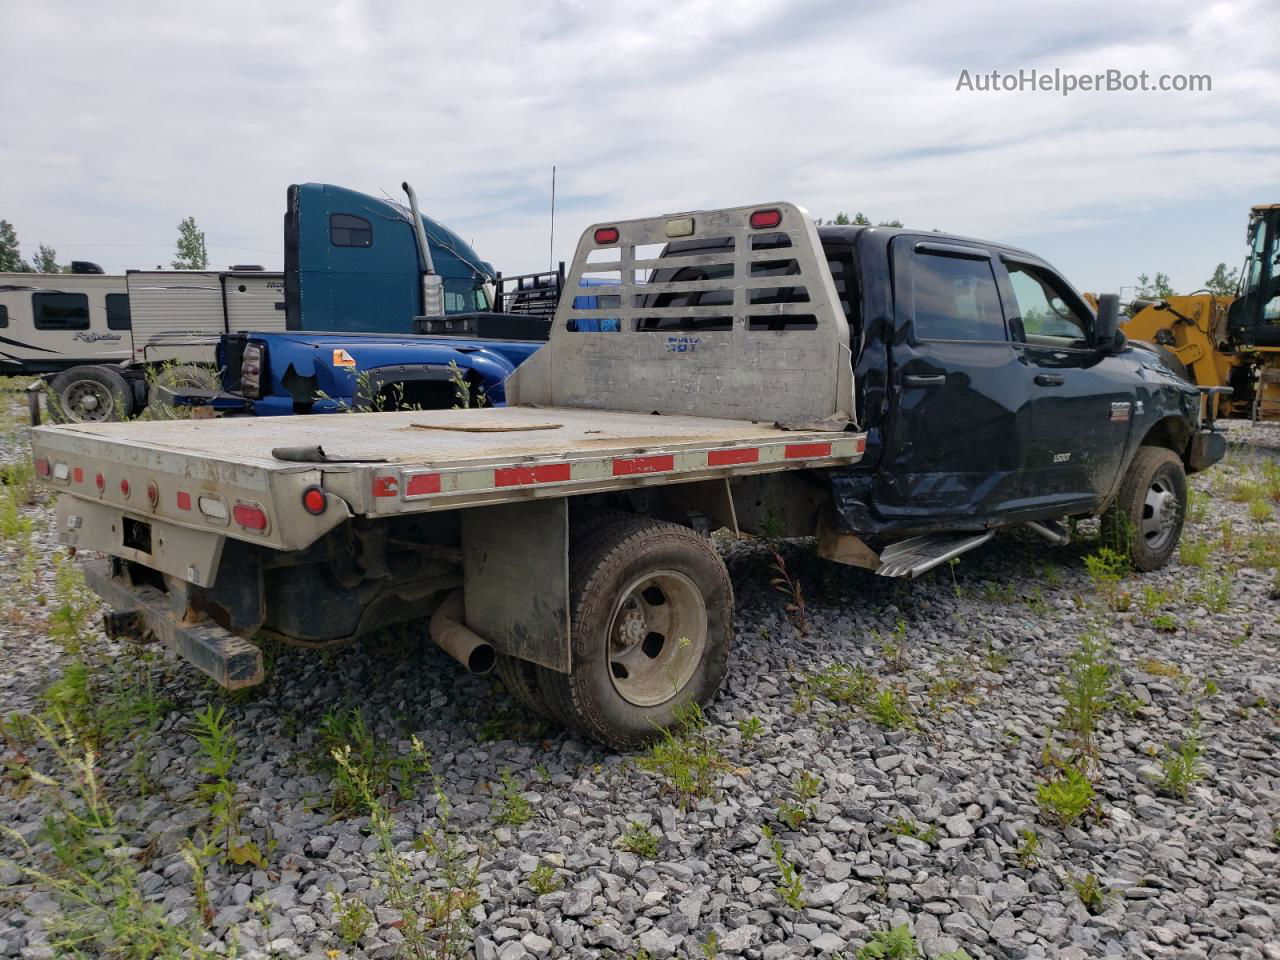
860, 219
1224, 281
192, 253
47, 259
1158, 289
10, 256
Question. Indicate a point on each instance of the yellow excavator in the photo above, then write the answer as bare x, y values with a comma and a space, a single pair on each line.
1226, 341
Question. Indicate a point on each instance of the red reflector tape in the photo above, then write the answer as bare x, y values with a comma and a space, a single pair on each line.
728, 458
78, 475
862, 445
803, 451
421, 484
251, 518
627, 466
42, 467
522, 476
385, 487
184, 500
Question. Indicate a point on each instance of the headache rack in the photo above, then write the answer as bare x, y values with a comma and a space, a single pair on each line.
724, 313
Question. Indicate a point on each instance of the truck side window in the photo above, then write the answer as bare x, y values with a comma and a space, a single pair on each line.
347, 230
1047, 318
4, 316
955, 299
60, 311
118, 312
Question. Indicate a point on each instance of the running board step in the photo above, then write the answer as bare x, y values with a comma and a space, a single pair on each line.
910, 558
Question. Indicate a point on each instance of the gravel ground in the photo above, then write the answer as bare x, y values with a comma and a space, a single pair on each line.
978, 656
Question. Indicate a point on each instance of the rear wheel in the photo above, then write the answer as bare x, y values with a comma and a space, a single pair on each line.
89, 394
652, 628
177, 376
1147, 517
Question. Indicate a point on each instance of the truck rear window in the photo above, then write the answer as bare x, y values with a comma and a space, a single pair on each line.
955, 299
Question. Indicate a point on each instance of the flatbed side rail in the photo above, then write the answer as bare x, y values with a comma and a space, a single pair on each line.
397, 490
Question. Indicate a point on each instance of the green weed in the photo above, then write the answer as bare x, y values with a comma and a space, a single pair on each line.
514, 809
1067, 797
790, 887
750, 727
1087, 686
1194, 553
543, 880
686, 756
895, 944
1090, 891
641, 841
1181, 766
352, 917
1029, 855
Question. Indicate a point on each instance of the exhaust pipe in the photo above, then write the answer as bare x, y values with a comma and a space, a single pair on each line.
432, 285
455, 638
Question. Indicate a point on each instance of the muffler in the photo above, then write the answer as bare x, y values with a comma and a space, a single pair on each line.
456, 639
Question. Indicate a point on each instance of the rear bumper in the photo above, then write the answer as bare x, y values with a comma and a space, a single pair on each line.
1207, 448
142, 612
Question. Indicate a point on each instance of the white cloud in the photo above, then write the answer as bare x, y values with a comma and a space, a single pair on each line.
120, 121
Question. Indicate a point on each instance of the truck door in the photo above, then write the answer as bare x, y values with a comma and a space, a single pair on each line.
1082, 401
958, 390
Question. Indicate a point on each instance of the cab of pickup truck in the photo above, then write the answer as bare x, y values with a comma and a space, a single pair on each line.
992, 392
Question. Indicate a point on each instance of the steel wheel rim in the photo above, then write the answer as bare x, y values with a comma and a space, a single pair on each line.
657, 634
1160, 512
168, 410
88, 401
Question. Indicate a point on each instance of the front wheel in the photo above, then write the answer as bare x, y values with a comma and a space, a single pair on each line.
651, 628
1147, 517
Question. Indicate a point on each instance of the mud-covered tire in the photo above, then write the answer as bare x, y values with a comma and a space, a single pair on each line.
94, 393
178, 375
520, 678
651, 613
1146, 519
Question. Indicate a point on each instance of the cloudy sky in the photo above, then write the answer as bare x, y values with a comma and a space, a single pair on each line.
119, 119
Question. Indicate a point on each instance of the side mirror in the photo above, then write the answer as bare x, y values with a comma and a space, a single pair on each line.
1106, 328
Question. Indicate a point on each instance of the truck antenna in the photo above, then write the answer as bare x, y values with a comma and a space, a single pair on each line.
551, 254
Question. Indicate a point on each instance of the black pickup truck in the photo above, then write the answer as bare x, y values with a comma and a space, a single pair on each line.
902, 396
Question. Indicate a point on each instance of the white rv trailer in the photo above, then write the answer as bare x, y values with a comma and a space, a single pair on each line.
99, 341
52, 321
178, 315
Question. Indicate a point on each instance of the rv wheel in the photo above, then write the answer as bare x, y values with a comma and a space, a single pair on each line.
91, 394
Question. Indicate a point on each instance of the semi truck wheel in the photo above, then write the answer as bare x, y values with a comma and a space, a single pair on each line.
89, 394
651, 625
1147, 516
178, 375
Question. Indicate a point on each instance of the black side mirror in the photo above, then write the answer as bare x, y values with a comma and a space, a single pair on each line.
1106, 328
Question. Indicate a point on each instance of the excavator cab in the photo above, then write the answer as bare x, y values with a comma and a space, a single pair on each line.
1253, 319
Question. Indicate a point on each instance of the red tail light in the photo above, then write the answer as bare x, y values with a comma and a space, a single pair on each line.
766, 218
607, 235
184, 500
314, 501
100, 482
42, 467
77, 475
250, 516
124, 489
153, 494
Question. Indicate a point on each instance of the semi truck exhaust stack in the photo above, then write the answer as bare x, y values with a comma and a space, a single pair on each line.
455, 638
432, 284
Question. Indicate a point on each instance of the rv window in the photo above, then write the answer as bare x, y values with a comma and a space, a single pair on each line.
4, 316
60, 311
346, 230
118, 312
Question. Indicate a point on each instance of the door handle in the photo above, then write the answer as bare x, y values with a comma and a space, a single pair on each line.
921, 380
1049, 379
